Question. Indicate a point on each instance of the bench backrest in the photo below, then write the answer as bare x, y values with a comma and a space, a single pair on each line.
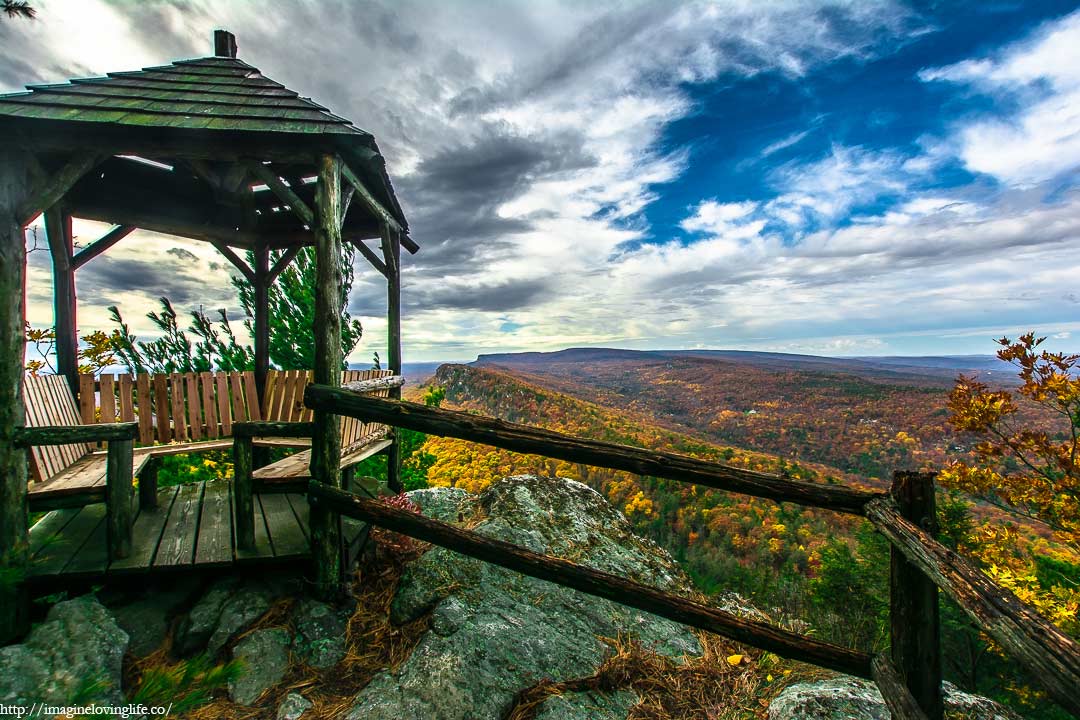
48, 401
184, 407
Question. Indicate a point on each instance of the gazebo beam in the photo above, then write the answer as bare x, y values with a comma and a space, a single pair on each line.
235, 259
109, 139
370, 256
283, 262
48, 192
326, 443
14, 179
58, 232
100, 245
284, 193
372, 203
157, 221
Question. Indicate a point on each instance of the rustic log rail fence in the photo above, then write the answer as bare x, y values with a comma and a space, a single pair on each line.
909, 676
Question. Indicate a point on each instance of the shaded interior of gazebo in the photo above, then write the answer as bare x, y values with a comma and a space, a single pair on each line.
207, 149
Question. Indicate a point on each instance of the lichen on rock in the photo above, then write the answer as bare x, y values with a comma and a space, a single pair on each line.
845, 698
75, 656
495, 632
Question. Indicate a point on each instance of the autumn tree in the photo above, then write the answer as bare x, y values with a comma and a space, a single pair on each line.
1032, 471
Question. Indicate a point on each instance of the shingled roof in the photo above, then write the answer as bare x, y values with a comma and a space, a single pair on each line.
217, 93
203, 119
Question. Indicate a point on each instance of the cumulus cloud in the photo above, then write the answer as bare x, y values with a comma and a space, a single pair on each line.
1037, 137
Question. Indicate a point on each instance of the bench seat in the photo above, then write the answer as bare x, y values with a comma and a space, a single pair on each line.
84, 479
296, 467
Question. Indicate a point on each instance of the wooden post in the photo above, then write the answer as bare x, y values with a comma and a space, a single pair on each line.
118, 497
392, 260
262, 320
14, 171
326, 442
58, 232
148, 484
243, 492
261, 283
914, 620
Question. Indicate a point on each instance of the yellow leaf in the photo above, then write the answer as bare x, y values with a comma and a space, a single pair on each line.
769, 677
734, 659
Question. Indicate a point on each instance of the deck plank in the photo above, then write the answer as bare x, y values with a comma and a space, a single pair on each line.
93, 557
54, 556
47, 531
215, 546
262, 547
177, 545
286, 535
301, 510
146, 533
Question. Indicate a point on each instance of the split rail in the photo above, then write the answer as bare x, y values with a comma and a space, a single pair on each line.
909, 675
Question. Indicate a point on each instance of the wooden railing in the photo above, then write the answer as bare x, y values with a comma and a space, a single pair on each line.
909, 676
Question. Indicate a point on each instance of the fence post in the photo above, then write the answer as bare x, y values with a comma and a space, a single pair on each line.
119, 496
148, 484
914, 619
243, 492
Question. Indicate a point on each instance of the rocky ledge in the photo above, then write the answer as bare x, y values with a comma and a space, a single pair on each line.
491, 635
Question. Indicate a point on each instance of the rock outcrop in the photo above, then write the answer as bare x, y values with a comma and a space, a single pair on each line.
495, 632
852, 699
264, 656
74, 657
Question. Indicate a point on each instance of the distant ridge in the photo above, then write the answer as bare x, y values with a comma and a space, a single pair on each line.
940, 369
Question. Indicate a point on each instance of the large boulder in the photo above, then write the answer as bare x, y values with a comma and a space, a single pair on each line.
495, 632
320, 632
852, 699
74, 657
227, 608
588, 706
145, 613
264, 658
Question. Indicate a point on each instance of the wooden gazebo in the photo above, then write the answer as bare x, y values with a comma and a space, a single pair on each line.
208, 149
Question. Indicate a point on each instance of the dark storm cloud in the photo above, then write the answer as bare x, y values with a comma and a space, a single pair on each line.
454, 196
511, 295
107, 276
182, 254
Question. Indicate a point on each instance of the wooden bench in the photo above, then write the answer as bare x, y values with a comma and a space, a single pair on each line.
359, 441
195, 412
171, 414
66, 470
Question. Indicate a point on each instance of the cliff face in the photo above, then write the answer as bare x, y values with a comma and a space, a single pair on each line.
495, 633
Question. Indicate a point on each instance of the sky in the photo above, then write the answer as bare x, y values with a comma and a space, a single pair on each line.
836, 178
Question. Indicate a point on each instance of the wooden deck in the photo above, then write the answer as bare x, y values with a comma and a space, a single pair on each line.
191, 528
